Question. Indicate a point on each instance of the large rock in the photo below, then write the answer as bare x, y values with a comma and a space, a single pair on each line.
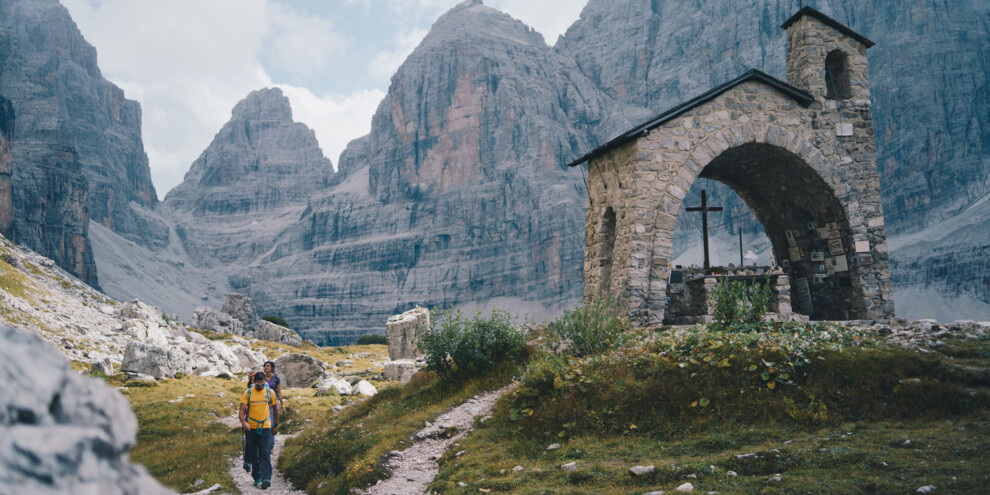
300, 370
216, 321
241, 308
333, 385
249, 359
159, 362
364, 388
142, 311
62, 433
146, 332
402, 332
266, 330
401, 371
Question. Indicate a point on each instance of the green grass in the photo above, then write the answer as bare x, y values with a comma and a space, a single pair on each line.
642, 407
342, 451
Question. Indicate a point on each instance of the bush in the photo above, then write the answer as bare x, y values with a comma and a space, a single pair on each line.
278, 320
372, 339
591, 329
458, 347
739, 306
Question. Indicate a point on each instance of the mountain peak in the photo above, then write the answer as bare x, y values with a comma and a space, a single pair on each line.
472, 19
267, 104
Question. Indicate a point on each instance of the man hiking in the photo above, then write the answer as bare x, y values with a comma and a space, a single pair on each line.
259, 419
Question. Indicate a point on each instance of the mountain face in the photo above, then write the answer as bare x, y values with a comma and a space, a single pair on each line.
251, 182
6, 186
76, 150
458, 195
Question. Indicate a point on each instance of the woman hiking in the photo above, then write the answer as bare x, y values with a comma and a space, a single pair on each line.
275, 384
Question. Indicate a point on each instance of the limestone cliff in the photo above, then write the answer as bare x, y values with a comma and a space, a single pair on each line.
77, 149
6, 190
458, 195
251, 182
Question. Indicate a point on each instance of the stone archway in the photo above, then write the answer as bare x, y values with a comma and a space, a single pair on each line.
787, 195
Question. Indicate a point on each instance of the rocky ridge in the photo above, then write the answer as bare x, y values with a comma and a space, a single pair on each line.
88, 327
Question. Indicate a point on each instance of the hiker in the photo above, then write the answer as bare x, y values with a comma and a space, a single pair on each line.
259, 419
275, 384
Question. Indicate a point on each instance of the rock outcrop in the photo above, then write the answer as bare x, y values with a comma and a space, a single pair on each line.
300, 370
63, 433
240, 317
402, 333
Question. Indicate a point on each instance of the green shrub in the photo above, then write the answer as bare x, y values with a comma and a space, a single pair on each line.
372, 339
592, 329
740, 307
278, 320
458, 347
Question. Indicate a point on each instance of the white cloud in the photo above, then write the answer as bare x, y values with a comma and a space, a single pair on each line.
336, 119
301, 45
385, 63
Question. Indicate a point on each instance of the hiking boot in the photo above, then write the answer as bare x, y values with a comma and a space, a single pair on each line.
265, 484
247, 467
257, 483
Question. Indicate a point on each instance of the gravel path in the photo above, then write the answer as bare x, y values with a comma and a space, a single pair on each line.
414, 469
280, 486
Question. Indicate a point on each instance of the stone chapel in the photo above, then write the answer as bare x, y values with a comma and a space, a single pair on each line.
801, 154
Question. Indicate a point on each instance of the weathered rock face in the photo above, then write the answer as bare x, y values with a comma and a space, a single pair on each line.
241, 308
266, 330
6, 160
252, 181
402, 332
78, 147
459, 194
63, 433
216, 321
300, 370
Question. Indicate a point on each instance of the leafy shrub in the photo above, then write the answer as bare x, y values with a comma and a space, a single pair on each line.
739, 306
591, 329
372, 339
458, 347
278, 320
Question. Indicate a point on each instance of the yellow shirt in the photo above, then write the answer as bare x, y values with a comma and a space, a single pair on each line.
258, 409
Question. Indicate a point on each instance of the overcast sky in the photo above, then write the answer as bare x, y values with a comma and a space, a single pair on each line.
188, 62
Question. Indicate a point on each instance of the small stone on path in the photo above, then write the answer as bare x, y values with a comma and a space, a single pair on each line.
926, 489
641, 470
686, 487
517, 469
569, 467
553, 446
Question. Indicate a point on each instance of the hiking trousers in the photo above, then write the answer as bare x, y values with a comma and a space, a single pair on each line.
259, 453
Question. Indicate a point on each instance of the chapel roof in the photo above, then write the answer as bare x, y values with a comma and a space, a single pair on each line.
828, 21
801, 97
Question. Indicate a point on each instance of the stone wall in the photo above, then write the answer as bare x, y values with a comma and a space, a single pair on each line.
799, 169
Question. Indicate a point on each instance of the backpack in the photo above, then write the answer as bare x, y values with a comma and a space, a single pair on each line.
268, 400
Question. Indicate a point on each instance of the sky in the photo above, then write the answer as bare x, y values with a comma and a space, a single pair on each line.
188, 62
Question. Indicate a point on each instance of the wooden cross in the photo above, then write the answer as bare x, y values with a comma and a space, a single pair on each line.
704, 209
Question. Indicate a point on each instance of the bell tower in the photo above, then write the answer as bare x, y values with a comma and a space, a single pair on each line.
826, 58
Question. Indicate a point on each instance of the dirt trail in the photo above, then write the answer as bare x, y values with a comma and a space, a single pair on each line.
414, 468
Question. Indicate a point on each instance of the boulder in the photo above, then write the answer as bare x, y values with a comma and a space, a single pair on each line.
333, 385
299, 370
63, 433
147, 332
138, 310
266, 330
364, 388
401, 371
216, 321
104, 367
402, 333
249, 359
241, 307
159, 362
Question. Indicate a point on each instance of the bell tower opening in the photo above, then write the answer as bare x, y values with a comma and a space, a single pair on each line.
837, 85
